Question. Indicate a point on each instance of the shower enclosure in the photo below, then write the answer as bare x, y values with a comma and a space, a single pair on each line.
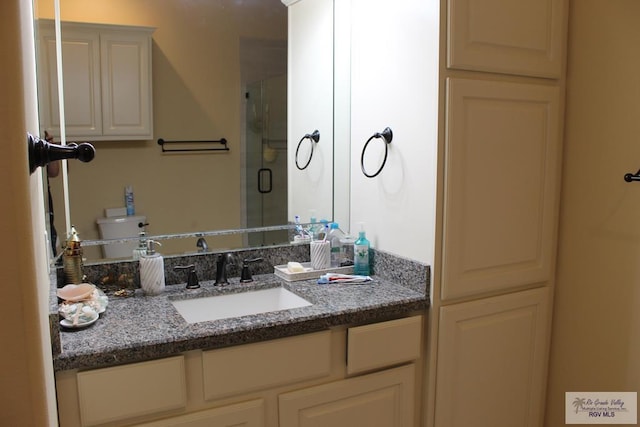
266, 158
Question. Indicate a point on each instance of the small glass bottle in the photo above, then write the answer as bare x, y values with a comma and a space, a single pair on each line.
361, 254
335, 236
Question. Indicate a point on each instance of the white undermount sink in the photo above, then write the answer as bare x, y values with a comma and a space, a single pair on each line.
239, 304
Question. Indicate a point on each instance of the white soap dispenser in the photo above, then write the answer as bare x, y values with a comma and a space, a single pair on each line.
152, 270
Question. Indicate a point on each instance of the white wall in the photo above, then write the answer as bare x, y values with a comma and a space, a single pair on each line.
595, 341
394, 83
26, 369
310, 107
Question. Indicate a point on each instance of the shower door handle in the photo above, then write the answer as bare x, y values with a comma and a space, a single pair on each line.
265, 180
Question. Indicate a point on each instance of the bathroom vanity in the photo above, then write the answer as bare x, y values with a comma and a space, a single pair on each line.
354, 353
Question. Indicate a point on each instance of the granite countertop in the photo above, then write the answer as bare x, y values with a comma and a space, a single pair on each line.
138, 328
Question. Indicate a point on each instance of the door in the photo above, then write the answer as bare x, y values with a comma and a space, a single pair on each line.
266, 158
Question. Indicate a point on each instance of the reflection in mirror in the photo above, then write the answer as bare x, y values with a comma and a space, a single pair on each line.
218, 71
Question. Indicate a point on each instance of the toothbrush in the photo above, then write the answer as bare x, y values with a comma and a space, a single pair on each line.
301, 231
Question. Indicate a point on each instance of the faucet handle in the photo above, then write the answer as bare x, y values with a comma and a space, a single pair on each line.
192, 277
245, 275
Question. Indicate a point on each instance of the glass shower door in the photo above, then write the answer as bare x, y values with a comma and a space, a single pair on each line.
266, 159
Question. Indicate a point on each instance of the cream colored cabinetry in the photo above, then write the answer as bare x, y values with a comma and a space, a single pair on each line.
245, 414
119, 393
310, 106
501, 186
502, 36
501, 154
383, 399
242, 385
235, 370
106, 81
492, 357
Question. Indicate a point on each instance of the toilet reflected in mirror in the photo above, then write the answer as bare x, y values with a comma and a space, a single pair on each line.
118, 227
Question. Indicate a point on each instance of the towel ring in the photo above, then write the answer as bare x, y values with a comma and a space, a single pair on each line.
387, 136
630, 177
314, 137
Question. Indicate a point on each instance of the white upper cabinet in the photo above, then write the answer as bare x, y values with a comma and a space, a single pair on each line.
106, 78
521, 37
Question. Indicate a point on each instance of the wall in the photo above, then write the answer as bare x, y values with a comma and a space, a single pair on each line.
394, 83
595, 345
26, 367
197, 94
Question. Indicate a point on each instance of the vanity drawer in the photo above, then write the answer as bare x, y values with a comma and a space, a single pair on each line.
383, 344
128, 391
240, 369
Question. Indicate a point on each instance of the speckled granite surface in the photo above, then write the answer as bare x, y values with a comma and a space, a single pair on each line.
143, 327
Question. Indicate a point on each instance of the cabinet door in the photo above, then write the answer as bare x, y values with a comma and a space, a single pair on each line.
501, 186
126, 84
383, 399
516, 37
492, 361
81, 82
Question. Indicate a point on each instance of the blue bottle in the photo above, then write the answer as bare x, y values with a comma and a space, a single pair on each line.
361, 254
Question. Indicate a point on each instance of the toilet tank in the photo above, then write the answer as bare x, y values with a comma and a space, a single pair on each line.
119, 227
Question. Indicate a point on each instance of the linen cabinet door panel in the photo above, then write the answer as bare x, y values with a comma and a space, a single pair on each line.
501, 186
126, 84
383, 399
523, 37
492, 356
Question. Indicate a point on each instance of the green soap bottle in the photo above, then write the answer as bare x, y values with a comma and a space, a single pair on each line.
361, 254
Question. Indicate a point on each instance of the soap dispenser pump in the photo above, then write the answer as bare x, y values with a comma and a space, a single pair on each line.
142, 247
152, 270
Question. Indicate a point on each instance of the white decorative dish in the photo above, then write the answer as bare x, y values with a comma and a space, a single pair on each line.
80, 323
283, 272
80, 317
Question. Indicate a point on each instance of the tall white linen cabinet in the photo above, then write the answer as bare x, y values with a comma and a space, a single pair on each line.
501, 108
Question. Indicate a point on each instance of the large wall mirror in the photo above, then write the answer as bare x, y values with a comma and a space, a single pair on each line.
219, 70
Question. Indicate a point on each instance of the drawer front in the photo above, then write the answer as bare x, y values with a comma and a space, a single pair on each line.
384, 344
245, 414
240, 369
128, 391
